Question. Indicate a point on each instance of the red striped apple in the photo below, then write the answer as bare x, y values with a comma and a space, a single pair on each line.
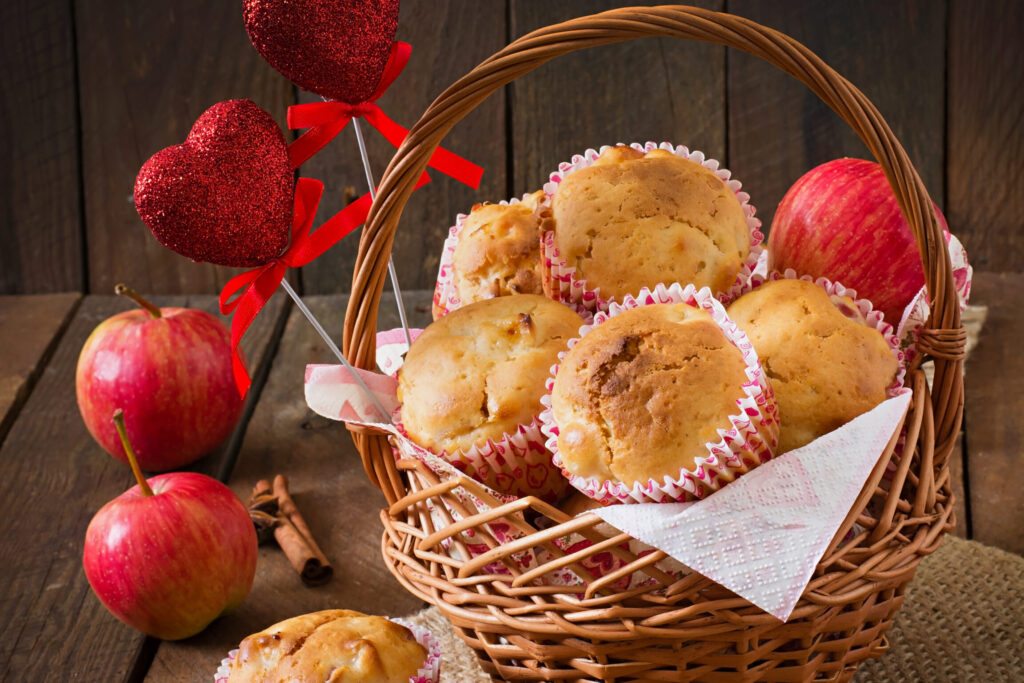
170, 370
841, 221
170, 555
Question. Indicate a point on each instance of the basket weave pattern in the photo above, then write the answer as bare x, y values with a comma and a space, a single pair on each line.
640, 620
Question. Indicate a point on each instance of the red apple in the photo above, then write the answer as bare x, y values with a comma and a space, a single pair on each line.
841, 220
170, 555
170, 369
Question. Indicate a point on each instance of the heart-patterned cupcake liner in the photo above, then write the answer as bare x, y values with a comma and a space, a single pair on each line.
746, 442
561, 281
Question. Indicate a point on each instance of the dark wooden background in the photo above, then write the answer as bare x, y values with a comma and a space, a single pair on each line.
92, 88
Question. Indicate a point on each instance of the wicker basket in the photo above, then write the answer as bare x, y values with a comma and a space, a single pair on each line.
670, 629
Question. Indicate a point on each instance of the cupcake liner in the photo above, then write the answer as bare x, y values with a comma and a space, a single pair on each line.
560, 279
224, 670
864, 312
430, 672
516, 465
446, 298
746, 443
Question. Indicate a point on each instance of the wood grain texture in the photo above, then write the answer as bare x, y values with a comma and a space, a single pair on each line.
656, 89
448, 39
326, 480
994, 389
57, 477
30, 327
893, 52
147, 71
985, 146
41, 228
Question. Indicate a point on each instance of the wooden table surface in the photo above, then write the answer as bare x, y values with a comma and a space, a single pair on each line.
93, 89
53, 478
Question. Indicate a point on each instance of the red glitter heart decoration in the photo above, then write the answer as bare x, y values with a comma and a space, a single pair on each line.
335, 48
225, 195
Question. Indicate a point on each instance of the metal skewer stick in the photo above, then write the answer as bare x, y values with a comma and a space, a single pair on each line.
391, 264
334, 348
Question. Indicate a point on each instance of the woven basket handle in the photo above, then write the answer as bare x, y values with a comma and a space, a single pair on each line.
943, 337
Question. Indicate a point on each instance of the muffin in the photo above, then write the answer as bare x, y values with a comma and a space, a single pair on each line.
498, 250
825, 363
478, 373
641, 395
633, 219
332, 645
471, 385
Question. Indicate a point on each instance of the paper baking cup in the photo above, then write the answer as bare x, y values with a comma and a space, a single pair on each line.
446, 297
560, 279
864, 311
516, 465
430, 672
745, 443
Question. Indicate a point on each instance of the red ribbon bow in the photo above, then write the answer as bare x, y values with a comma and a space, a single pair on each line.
246, 294
326, 119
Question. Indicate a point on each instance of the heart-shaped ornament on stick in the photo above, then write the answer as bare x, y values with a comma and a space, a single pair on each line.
334, 48
225, 195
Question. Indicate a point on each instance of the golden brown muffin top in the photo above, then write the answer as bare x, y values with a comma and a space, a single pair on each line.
824, 367
634, 220
498, 250
336, 646
479, 372
641, 395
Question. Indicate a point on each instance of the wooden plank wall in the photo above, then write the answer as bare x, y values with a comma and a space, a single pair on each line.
92, 88
41, 245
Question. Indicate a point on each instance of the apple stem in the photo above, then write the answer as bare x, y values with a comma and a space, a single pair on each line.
122, 289
119, 424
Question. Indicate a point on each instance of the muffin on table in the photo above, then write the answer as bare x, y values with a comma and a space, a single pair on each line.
475, 378
825, 363
635, 219
329, 646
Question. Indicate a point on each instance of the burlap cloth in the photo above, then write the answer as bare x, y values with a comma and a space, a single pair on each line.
962, 620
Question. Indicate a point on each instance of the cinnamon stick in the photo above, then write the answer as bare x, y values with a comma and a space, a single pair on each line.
293, 535
268, 515
263, 511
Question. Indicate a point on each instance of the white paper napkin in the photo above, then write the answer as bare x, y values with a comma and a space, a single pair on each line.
391, 348
762, 535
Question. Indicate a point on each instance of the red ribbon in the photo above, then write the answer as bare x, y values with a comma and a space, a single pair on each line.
326, 119
246, 294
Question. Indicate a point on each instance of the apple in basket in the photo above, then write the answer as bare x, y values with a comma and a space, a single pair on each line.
170, 555
170, 369
841, 221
